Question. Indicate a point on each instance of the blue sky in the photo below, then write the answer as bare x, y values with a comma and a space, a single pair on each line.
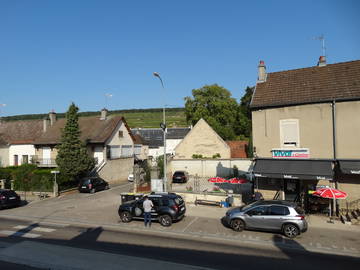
53, 53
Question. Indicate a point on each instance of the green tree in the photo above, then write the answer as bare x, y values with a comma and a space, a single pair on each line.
215, 105
243, 128
73, 159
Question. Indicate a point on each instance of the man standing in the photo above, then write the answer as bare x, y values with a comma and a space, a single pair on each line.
147, 205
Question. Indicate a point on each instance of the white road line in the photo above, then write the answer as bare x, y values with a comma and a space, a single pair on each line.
59, 225
36, 229
190, 224
19, 234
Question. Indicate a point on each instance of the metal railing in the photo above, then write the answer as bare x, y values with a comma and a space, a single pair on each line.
44, 162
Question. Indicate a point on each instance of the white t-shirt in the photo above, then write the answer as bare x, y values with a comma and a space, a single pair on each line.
147, 204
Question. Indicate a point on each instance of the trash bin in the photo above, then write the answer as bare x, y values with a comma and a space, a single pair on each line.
230, 200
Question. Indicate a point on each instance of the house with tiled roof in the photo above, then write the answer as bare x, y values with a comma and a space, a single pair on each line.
17, 141
238, 149
108, 139
306, 124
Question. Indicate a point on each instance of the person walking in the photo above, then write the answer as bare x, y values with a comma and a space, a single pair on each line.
147, 205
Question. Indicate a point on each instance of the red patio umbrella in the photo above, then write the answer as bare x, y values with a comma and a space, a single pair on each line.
330, 193
217, 180
237, 180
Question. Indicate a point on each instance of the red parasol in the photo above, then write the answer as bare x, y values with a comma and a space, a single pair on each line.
217, 180
330, 193
237, 180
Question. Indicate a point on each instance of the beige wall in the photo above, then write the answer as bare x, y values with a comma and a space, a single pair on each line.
202, 139
117, 170
4, 156
315, 125
348, 129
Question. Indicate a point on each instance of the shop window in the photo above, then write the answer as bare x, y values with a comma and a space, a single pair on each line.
289, 133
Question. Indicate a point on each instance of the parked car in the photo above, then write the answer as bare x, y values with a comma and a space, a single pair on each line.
9, 198
92, 184
168, 207
131, 177
180, 177
282, 216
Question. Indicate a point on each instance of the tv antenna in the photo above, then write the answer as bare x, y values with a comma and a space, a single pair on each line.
322, 40
107, 98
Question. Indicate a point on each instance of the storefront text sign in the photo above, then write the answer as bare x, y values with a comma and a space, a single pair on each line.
291, 153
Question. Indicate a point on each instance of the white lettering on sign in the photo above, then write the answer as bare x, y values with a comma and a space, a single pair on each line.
291, 153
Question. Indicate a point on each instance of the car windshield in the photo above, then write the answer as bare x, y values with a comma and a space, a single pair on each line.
178, 173
246, 207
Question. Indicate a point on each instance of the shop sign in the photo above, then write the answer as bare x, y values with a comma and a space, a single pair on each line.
291, 153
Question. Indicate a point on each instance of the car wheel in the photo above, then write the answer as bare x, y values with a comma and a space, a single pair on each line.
291, 230
165, 220
125, 217
237, 225
92, 191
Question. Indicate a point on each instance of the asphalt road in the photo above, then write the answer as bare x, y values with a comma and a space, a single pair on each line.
193, 251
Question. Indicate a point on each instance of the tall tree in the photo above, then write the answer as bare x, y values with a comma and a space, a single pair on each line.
215, 105
244, 115
73, 159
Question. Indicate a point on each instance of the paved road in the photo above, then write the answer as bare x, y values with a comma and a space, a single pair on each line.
201, 233
61, 246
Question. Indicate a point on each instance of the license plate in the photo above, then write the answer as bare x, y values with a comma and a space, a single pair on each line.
83, 187
12, 198
182, 208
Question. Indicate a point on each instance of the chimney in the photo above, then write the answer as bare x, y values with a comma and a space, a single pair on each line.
261, 72
103, 114
52, 116
46, 123
322, 61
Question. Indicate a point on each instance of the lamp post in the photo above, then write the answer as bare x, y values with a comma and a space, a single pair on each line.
163, 126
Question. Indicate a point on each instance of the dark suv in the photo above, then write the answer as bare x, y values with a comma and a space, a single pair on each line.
180, 177
92, 184
168, 207
9, 198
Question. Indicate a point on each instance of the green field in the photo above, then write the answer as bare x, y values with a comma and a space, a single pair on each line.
136, 118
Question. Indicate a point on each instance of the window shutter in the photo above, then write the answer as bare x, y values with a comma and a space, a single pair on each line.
289, 132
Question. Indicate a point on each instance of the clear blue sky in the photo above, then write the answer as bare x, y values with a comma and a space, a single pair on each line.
56, 52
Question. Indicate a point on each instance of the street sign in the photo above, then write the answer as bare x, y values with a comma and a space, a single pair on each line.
55, 172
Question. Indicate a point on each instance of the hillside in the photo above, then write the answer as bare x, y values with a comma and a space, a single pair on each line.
136, 118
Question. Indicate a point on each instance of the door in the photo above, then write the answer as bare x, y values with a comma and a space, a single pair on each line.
46, 155
276, 217
255, 217
155, 209
292, 189
98, 154
16, 160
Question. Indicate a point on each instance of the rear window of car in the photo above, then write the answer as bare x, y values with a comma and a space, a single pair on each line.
8, 193
299, 210
179, 174
178, 200
86, 181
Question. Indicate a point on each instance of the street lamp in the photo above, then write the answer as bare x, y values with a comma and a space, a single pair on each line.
163, 126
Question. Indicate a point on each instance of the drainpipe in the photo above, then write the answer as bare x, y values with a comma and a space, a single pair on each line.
336, 203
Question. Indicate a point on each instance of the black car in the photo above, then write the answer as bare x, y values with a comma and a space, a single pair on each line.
168, 207
180, 177
92, 184
9, 198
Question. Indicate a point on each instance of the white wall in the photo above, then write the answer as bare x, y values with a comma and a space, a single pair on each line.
210, 167
20, 150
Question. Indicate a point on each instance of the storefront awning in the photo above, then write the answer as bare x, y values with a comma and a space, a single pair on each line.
303, 169
350, 166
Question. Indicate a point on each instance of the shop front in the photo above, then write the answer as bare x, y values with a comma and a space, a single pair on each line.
292, 179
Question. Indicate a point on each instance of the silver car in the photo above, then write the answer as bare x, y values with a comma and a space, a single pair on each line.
274, 215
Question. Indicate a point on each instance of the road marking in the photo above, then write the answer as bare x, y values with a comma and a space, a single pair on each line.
33, 228
19, 234
190, 224
59, 225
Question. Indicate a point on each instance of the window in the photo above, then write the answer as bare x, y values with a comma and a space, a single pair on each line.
121, 134
289, 133
258, 211
126, 151
16, 160
137, 149
114, 151
25, 159
277, 210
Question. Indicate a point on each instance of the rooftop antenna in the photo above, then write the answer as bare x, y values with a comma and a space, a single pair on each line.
322, 40
107, 97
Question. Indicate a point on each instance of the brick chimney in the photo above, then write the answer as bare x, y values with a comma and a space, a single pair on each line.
52, 116
261, 72
322, 61
103, 114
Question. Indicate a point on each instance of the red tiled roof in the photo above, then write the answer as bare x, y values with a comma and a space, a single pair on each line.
237, 148
309, 85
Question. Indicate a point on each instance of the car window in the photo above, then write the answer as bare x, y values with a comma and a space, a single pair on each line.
277, 210
258, 211
86, 181
178, 200
179, 174
165, 202
155, 201
299, 210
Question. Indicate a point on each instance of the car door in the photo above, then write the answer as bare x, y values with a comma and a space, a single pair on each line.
156, 208
276, 217
138, 209
255, 217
